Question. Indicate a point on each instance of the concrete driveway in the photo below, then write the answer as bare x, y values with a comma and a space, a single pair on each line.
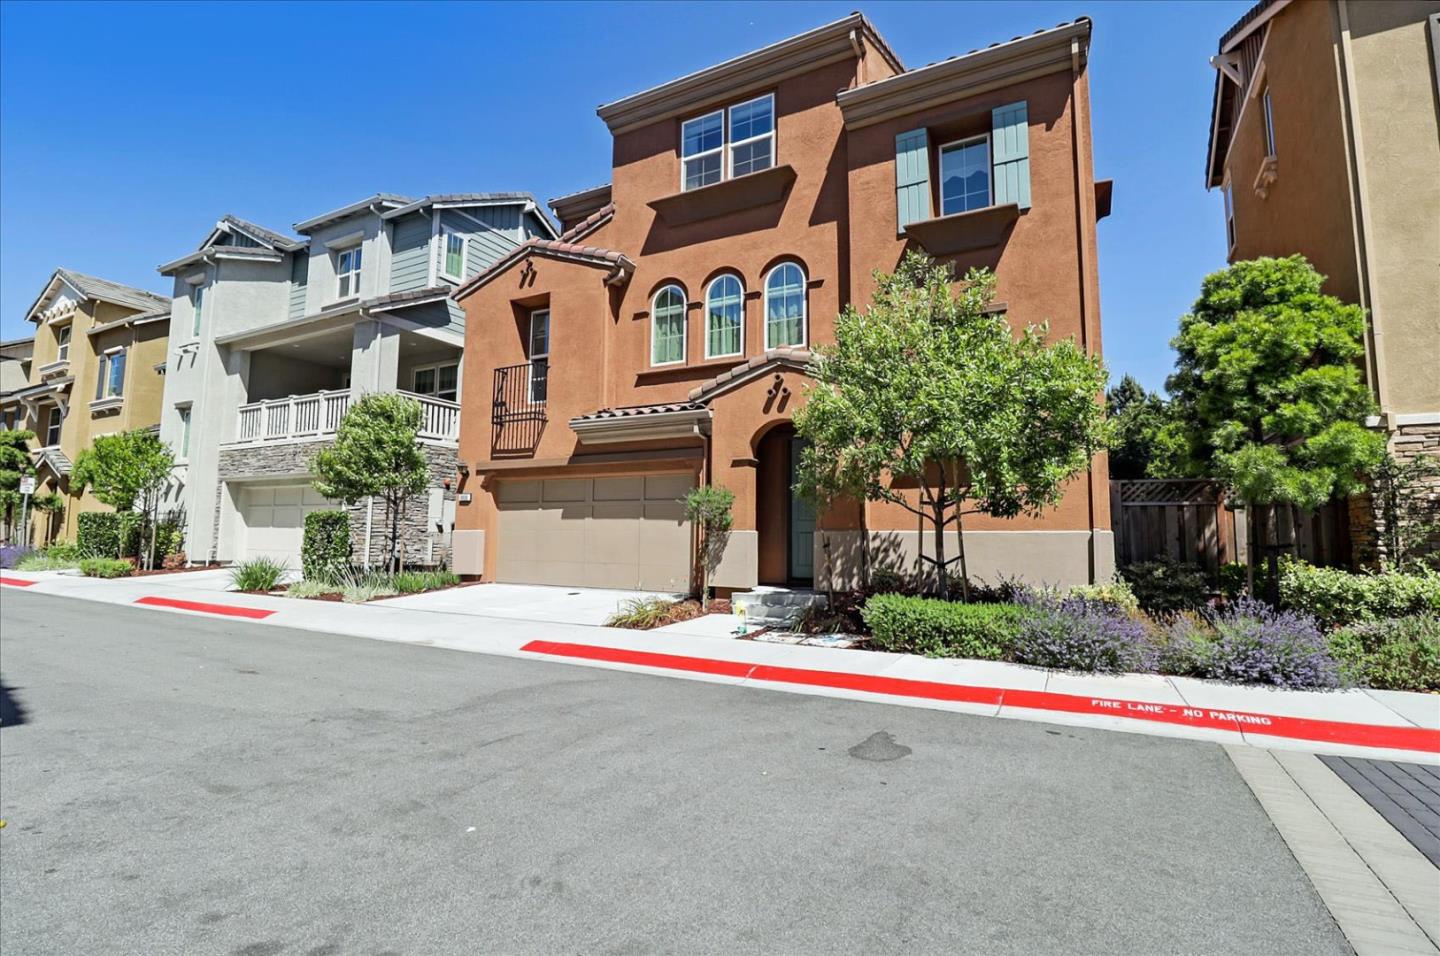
531, 602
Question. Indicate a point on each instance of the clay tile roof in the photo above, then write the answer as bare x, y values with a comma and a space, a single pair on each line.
589, 224
795, 357
620, 264
633, 411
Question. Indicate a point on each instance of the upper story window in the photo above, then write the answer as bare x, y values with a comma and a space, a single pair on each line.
726, 143
442, 381
538, 349
667, 326
452, 262
1269, 118
724, 317
347, 272
965, 175
197, 300
52, 427
785, 306
1228, 194
184, 411
110, 377
62, 343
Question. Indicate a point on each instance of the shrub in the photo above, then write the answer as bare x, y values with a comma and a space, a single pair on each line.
98, 533
887, 580
1163, 586
1337, 598
64, 551
1398, 654
257, 574
311, 589
44, 561
1116, 594
325, 552
174, 561
106, 567
413, 582
1075, 634
1256, 644
642, 613
1184, 644
919, 625
368, 590
11, 554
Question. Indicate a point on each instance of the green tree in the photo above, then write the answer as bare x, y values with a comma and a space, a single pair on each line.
376, 452
1136, 418
927, 401
1267, 394
14, 465
127, 471
708, 509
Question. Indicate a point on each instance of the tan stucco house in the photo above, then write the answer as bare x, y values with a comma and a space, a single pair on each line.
95, 370
1325, 140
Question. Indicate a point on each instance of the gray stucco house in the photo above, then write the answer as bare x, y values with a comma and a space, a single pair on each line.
273, 335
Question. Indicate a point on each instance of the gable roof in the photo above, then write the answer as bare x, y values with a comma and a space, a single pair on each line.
261, 253
620, 265
762, 364
527, 200
266, 237
1227, 101
581, 203
390, 200
102, 290
589, 224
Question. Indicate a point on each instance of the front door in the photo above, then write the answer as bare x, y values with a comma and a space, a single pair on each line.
802, 523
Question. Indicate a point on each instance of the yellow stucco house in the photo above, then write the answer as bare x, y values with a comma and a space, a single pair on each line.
97, 368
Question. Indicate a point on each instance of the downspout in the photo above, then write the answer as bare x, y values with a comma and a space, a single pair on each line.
369, 525
201, 357
1084, 213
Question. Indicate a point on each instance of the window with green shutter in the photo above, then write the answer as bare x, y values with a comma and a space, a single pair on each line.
1010, 138
912, 178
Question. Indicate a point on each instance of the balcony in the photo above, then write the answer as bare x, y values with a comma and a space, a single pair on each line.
55, 369
520, 392
317, 416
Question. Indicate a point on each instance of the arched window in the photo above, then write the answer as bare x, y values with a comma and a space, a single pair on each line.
785, 306
667, 326
724, 317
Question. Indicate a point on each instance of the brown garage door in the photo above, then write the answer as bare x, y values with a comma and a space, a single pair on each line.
622, 532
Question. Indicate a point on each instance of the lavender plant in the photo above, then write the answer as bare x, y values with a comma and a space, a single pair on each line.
1256, 644
1074, 633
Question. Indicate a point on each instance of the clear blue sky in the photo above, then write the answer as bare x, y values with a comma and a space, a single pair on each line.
127, 129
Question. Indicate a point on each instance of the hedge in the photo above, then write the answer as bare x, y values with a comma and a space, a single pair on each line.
1337, 598
106, 567
325, 551
107, 534
919, 625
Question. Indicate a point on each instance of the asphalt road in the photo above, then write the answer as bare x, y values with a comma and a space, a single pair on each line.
188, 786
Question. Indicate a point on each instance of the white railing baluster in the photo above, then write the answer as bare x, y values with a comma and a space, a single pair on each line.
319, 414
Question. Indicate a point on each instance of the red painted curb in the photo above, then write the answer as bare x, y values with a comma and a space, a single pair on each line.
17, 582
1269, 725
229, 610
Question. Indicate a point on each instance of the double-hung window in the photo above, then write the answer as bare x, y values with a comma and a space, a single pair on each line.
727, 143
197, 301
539, 353
724, 317
965, 175
452, 262
347, 271
52, 426
441, 381
62, 343
110, 380
785, 306
667, 327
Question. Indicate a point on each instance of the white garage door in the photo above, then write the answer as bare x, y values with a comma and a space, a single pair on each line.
623, 532
272, 519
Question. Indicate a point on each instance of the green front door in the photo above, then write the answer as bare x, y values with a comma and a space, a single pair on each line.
802, 524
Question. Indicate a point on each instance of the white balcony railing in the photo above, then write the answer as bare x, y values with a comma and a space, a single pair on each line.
318, 414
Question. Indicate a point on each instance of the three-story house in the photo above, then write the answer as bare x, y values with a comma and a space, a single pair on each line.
273, 335
662, 340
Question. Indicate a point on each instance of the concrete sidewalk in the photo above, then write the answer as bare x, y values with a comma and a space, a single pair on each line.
1381, 724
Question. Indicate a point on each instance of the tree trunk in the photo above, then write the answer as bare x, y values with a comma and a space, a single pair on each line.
1251, 519
942, 585
960, 546
1272, 558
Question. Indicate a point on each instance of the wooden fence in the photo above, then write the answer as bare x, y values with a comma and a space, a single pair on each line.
1187, 521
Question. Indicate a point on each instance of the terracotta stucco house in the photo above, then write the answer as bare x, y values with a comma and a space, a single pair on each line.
1325, 140
94, 370
662, 341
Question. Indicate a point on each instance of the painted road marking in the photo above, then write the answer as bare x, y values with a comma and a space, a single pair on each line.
229, 610
1269, 725
17, 582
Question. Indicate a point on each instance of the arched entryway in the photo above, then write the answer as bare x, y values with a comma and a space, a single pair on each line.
785, 523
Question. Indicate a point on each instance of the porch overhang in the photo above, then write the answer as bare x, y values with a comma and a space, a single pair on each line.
388, 309
53, 459
642, 423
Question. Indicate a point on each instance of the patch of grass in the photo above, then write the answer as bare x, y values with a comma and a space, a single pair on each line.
642, 614
413, 582
311, 589
106, 567
257, 574
40, 561
366, 591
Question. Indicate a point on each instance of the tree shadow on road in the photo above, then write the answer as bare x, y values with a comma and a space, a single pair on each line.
11, 711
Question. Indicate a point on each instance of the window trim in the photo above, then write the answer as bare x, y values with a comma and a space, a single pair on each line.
724, 135
55, 421
684, 325
989, 171
1267, 117
197, 303
352, 291
531, 356
804, 304
445, 233
185, 411
106, 368
709, 288
730, 146
1227, 195
436, 367
62, 343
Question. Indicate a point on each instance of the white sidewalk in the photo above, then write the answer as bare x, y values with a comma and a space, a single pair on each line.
1379, 724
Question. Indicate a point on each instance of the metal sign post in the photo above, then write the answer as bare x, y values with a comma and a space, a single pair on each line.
27, 488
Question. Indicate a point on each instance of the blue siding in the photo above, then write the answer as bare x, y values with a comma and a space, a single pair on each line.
482, 246
240, 239
409, 268
505, 219
533, 227
299, 277
436, 315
